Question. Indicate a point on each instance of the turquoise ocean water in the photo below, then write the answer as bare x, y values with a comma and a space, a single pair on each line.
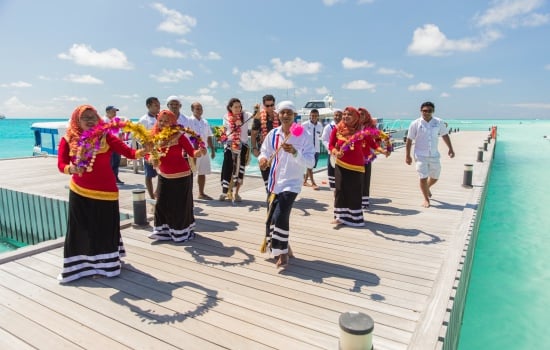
509, 294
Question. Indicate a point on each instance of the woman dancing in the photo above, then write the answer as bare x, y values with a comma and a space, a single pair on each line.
174, 219
93, 244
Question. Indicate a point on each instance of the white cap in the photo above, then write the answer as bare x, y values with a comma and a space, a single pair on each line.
173, 98
336, 110
286, 105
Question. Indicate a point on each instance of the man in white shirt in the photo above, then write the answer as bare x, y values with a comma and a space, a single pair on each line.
325, 137
425, 131
148, 120
314, 129
203, 166
174, 105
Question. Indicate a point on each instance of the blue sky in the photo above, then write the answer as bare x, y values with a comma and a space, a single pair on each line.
473, 59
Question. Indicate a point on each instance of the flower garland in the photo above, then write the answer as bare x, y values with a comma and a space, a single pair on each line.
161, 139
263, 120
90, 142
235, 124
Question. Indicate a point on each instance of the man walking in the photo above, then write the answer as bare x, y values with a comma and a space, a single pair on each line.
314, 129
425, 131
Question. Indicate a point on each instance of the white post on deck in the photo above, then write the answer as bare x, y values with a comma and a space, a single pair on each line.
355, 331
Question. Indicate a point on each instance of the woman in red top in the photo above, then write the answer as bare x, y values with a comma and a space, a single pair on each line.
174, 219
369, 123
349, 168
93, 244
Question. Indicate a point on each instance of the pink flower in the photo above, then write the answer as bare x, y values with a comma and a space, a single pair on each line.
296, 129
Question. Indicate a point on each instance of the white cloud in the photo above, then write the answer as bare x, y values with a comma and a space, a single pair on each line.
429, 40
204, 91
361, 2
83, 79
360, 85
513, 13
332, 2
211, 55
420, 87
547, 67
391, 71
84, 55
235, 71
349, 63
204, 99
257, 80
14, 107
172, 76
445, 94
539, 105
296, 67
213, 84
174, 22
301, 91
65, 98
466, 82
167, 52
17, 84
322, 90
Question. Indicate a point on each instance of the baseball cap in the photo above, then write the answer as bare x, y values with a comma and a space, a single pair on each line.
111, 107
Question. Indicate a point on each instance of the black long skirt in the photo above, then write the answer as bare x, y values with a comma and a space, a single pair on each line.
174, 219
347, 196
93, 244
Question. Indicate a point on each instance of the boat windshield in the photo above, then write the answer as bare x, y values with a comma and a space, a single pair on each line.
315, 104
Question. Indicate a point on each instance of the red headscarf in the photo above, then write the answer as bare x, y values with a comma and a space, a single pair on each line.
368, 121
347, 130
74, 131
171, 117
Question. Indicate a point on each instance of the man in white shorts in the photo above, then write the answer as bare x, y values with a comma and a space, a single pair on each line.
425, 132
202, 164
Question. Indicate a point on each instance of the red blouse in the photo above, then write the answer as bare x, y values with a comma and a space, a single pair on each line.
100, 183
173, 164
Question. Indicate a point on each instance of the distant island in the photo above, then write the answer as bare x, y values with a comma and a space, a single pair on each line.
2, 116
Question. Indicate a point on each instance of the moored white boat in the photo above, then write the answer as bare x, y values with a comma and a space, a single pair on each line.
325, 107
46, 137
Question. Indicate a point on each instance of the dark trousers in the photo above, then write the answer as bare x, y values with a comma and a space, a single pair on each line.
115, 163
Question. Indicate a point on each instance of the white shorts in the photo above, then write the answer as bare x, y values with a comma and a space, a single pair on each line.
428, 167
202, 164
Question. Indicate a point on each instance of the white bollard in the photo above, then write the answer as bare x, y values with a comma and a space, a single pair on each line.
355, 331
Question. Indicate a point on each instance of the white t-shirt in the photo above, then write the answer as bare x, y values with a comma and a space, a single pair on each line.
426, 136
315, 131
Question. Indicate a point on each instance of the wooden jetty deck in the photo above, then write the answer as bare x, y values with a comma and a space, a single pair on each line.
219, 292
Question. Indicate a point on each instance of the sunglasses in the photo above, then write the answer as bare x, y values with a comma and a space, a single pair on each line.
427, 111
271, 105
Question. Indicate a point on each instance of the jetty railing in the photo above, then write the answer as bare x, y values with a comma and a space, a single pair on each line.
31, 219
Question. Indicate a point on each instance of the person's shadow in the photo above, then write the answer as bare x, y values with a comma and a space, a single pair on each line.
307, 204
141, 288
404, 235
211, 252
319, 270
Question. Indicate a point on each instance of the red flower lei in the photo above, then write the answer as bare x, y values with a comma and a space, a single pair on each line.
264, 118
235, 123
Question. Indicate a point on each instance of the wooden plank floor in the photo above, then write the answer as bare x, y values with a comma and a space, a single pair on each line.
219, 292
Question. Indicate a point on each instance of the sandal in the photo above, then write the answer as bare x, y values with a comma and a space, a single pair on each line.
238, 198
